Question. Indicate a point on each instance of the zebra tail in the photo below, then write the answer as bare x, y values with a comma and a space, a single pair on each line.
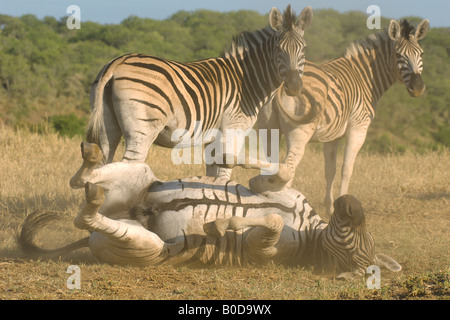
33, 223
96, 123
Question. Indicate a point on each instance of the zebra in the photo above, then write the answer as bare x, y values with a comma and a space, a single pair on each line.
146, 98
201, 221
344, 93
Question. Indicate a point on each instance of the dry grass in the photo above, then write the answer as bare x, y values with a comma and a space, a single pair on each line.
406, 198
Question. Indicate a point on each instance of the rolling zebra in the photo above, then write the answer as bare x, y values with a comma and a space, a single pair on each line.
146, 98
344, 93
134, 219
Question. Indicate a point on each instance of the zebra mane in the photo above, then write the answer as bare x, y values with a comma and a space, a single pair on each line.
245, 41
406, 29
372, 41
289, 17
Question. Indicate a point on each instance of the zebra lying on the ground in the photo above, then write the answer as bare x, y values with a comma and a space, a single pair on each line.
136, 220
344, 92
149, 99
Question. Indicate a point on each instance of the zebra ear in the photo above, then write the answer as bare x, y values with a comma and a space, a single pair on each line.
422, 29
276, 19
351, 207
394, 30
383, 260
305, 18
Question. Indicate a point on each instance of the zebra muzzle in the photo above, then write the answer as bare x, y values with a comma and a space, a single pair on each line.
417, 86
293, 83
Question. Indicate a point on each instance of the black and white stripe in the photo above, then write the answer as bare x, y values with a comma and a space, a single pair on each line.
339, 99
194, 201
204, 221
360, 78
146, 98
346, 241
341, 245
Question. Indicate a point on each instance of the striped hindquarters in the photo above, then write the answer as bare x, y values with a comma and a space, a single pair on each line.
190, 92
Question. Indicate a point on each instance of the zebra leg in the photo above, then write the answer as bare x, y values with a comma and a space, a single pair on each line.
125, 184
297, 139
213, 169
329, 152
140, 126
92, 156
268, 120
259, 242
218, 172
123, 242
230, 143
355, 139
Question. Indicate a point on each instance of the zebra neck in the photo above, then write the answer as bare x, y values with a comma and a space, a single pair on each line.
373, 59
314, 254
321, 258
257, 76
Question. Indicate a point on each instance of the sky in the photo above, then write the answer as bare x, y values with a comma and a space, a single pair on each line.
114, 11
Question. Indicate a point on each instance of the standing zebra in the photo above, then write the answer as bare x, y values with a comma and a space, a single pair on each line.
146, 98
345, 92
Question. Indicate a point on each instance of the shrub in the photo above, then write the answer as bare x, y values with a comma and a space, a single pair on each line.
68, 125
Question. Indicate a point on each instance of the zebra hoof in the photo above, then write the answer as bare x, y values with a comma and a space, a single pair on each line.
91, 152
94, 194
92, 155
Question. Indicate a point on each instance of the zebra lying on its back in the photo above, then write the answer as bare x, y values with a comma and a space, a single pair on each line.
137, 220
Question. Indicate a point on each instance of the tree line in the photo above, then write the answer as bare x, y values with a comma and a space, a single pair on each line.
46, 69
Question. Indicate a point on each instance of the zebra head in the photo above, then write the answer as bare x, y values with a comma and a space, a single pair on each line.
349, 244
408, 54
289, 49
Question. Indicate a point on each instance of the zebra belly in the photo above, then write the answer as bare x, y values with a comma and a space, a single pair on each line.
187, 204
184, 229
172, 135
326, 132
177, 210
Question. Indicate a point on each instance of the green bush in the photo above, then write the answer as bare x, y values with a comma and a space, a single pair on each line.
46, 70
68, 125
443, 136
